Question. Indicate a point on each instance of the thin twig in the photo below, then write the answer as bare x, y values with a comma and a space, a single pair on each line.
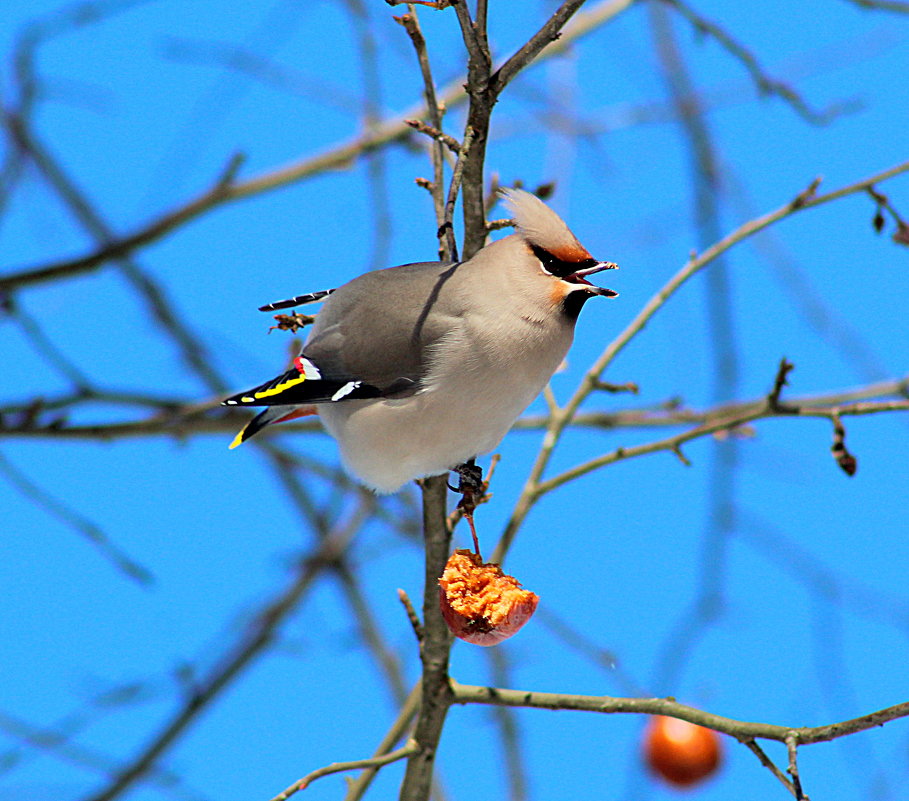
674, 443
781, 380
628, 386
434, 133
357, 764
411, 23
768, 763
412, 616
793, 768
447, 228
548, 33
893, 6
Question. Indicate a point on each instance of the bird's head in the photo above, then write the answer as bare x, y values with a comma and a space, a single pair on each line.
557, 252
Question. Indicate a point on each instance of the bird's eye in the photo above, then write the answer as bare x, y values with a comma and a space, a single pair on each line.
553, 265
548, 262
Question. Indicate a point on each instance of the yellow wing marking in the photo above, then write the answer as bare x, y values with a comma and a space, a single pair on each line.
284, 385
237, 439
265, 393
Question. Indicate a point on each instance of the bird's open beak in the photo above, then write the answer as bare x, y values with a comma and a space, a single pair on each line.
580, 277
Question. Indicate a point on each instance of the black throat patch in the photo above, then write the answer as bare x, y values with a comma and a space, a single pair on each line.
574, 301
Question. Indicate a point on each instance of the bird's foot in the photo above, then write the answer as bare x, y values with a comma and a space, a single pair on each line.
470, 476
472, 489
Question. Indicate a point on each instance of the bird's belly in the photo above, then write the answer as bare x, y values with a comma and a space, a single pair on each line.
386, 443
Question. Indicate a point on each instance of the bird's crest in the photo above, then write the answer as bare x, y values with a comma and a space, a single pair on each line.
542, 227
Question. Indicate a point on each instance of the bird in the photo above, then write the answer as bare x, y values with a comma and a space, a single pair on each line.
417, 370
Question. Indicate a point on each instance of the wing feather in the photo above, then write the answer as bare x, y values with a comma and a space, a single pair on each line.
293, 387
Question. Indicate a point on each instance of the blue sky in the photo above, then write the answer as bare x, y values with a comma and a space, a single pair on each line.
143, 112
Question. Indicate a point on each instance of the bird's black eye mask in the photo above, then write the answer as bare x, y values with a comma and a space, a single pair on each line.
558, 267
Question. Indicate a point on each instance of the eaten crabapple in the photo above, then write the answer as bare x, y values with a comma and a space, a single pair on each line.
480, 603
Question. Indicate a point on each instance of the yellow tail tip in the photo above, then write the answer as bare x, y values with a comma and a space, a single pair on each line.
237, 440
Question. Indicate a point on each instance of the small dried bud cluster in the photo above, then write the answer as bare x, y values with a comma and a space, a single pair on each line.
292, 322
847, 462
480, 603
879, 221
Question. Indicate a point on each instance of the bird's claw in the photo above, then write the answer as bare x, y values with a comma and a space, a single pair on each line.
471, 487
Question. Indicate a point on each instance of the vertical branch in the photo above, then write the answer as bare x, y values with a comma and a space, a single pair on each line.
436, 642
483, 90
435, 647
411, 23
479, 64
454, 188
469, 178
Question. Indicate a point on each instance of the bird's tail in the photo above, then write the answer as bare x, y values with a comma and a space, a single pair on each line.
270, 415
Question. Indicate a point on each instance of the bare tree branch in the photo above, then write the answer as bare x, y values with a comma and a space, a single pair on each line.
674, 444
154, 295
804, 200
182, 419
226, 191
768, 763
59, 742
358, 764
550, 32
742, 730
434, 647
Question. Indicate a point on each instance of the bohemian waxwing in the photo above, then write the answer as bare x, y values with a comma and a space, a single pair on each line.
419, 368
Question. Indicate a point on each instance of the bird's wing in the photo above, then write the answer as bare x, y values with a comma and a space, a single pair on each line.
382, 327
268, 416
372, 339
297, 300
304, 383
